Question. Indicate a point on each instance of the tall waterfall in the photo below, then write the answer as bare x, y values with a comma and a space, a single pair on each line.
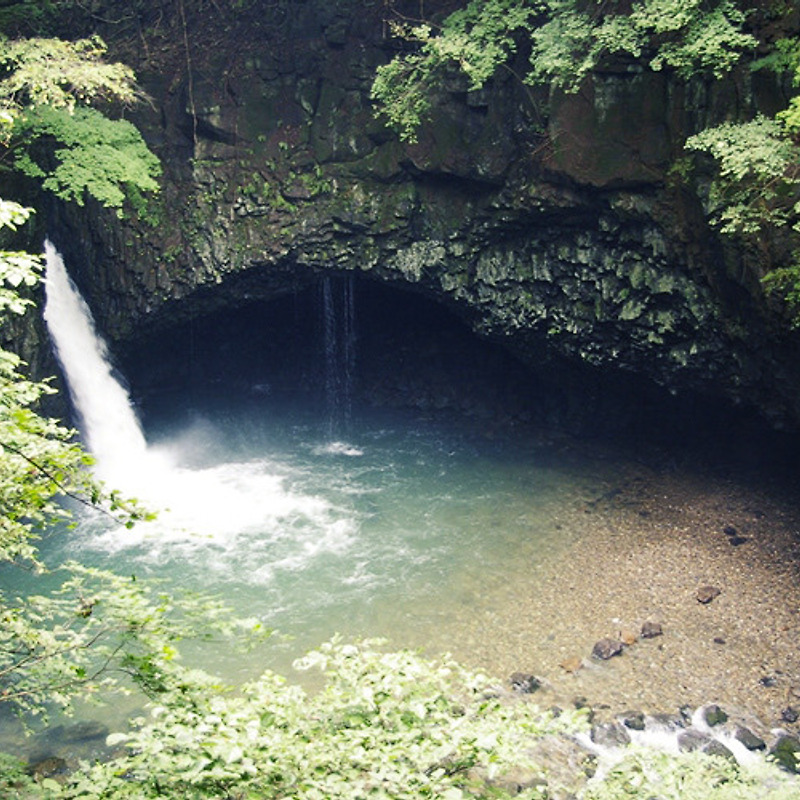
107, 420
338, 319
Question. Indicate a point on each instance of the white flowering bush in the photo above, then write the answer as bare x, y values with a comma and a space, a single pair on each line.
384, 725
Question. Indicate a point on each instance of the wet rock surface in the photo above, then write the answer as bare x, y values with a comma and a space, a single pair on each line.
706, 594
607, 648
610, 734
749, 739
524, 683
713, 715
652, 629
786, 752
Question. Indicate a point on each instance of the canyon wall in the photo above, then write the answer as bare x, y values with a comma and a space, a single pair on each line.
554, 224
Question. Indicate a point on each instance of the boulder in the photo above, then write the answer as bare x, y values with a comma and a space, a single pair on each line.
746, 737
524, 683
789, 715
691, 740
51, 767
714, 715
610, 734
633, 720
628, 637
651, 629
716, 748
785, 751
571, 664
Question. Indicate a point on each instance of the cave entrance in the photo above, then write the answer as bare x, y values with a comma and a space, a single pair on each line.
342, 344
346, 344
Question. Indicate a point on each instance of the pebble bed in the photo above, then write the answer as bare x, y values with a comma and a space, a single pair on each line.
639, 552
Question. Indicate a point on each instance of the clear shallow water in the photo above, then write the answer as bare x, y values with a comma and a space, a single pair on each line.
379, 533
401, 529
399, 524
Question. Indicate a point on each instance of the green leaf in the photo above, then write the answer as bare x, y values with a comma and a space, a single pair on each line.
95, 156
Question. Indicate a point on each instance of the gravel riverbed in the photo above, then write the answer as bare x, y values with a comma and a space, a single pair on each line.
639, 551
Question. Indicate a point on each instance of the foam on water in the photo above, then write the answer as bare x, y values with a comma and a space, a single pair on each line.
338, 449
665, 737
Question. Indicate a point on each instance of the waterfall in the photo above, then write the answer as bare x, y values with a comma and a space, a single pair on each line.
339, 348
220, 503
107, 419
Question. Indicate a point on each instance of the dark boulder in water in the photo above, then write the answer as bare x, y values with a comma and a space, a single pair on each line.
610, 734
633, 720
746, 737
651, 629
691, 740
607, 648
705, 594
715, 748
785, 751
789, 715
524, 683
714, 715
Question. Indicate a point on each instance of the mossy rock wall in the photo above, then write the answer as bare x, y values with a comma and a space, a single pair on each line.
549, 222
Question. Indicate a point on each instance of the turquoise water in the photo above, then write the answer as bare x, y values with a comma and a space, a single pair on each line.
396, 526
380, 532
396, 530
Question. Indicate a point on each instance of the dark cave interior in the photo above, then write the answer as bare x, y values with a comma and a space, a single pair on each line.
406, 351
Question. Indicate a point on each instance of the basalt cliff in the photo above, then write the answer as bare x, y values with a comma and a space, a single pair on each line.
552, 225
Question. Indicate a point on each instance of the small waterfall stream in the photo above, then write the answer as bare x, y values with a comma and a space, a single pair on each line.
217, 500
339, 341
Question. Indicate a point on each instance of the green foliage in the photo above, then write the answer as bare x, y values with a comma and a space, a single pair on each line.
784, 58
95, 628
758, 170
688, 36
92, 631
60, 74
31, 15
389, 725
95, 156
44, 89
645, 773
17, 269
785, 281
14, 779
791, 116
755, 192
568, 39
476, 39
